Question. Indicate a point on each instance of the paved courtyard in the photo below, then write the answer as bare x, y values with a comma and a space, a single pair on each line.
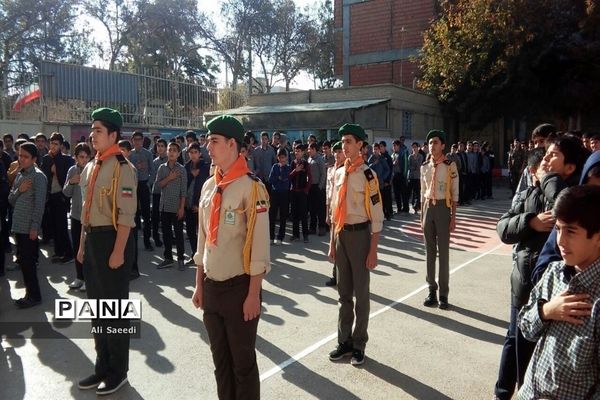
413, 351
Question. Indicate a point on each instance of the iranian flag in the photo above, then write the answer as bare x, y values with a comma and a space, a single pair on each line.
31, 93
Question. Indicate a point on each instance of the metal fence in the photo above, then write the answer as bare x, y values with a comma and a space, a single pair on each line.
68, 93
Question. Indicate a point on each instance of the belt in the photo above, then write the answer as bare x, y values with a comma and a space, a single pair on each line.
102, 228
356, 227
437, 201
236, 280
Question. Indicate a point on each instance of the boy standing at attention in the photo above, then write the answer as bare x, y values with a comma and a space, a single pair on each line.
357, 223
562, 314
172, 179
439, 195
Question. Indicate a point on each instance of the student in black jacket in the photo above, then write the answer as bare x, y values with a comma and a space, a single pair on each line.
197, 172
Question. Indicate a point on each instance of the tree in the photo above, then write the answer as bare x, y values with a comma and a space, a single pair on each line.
35, 30
489, 58
321, 47
163, 35
292, 32
114, 16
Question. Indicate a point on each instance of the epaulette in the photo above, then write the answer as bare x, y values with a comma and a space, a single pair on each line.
122, 160
425, 162
253, 176
448, 162
369, 174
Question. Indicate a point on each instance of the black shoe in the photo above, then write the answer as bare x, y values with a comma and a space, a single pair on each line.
165, 264
134, 275
431, 300
27, 302
444, 303
56, 259
342, 350
110, 385
294, 238
158, 243
91, 382
148, 246
331, 282
358, 357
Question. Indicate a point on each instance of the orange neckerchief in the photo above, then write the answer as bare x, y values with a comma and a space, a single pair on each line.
111, 151
238, 169
339, 213
432, 187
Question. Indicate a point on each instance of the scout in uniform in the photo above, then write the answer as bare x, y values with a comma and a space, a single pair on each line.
439, 195
356, 224
232, 257
108, 186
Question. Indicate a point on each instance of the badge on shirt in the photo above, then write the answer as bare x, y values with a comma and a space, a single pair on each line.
261, 206
127, 192
230, 217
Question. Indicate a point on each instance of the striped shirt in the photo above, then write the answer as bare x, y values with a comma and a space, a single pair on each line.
28, 207
566, 360
142, 161
171, 194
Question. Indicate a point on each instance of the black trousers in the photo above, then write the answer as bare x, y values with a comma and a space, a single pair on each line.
169, 224
401, 193
232, 340
191, 227
5, 220
280, 206
103, 282
143, 210
386, 200
463, 188
414, 188
156, 217
58, 205
316, 207
76, 238
299, 214
28, 257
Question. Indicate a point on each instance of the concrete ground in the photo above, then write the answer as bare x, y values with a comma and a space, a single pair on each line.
413, 351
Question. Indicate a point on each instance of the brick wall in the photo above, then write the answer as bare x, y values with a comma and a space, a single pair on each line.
382, 25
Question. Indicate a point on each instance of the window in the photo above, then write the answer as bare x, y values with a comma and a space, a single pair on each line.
407, 123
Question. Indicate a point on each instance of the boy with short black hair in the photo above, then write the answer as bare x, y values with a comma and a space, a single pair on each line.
300, 180
197, 172
28, 198
161, 158
279, 181
561, 313
172, 179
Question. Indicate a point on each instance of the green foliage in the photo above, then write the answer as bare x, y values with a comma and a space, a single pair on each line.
488, 58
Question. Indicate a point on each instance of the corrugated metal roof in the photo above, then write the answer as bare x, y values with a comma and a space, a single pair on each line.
294, 108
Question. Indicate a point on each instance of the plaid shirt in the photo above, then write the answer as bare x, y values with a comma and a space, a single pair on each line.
28, 207
566, 360
171, 194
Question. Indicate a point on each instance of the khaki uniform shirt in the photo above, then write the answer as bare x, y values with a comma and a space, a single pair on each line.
355, 198
439, 192
225, 260
101, 211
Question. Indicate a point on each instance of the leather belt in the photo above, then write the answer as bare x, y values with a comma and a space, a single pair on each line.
102, 228
356, 227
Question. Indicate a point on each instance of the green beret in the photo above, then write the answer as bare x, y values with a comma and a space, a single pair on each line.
337, 146
436, 133
226, 125
353, 129
109, 115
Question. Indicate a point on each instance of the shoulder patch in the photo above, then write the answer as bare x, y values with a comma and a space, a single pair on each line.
425, 162
121, 159
253, 176
369, 174
448, 162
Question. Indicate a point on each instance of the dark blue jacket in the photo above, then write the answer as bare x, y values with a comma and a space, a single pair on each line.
279, 178
62, 163
199, 179
550, 250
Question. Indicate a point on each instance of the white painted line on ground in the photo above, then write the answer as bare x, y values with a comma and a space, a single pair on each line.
310, 349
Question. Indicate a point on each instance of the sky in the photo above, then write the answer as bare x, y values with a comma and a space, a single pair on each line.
211, 8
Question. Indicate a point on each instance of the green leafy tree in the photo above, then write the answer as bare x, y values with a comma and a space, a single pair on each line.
491, 58
35, 30
321, 47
